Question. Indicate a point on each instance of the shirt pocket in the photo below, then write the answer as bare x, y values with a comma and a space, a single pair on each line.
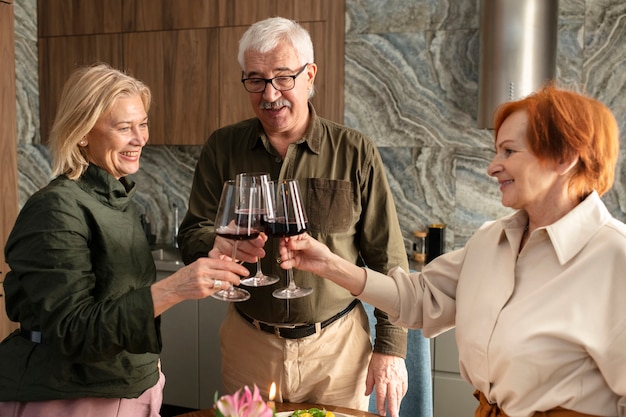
329, 205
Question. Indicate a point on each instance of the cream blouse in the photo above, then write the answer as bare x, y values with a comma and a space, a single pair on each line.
535, 331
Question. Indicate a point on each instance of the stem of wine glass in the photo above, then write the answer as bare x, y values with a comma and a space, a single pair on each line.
291, 283
231, 290
260, 279
235, 251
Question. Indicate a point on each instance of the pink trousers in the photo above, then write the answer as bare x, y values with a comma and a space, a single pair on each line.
147, 404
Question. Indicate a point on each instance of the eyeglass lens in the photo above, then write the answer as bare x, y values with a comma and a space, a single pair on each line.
281, 83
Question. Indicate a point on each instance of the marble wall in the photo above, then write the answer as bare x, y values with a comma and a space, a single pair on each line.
411, 84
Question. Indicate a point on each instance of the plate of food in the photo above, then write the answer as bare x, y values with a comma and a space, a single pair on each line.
312, 412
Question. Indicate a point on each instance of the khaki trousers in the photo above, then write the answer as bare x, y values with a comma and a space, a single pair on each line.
329, 367
147, 404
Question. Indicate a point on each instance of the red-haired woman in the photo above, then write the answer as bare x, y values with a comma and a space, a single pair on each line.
537, 297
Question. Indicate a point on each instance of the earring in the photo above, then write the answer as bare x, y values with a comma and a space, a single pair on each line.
82, 142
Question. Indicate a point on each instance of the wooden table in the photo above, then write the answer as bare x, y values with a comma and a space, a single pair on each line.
290, 407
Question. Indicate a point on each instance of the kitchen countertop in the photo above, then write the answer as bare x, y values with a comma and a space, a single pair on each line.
167, 259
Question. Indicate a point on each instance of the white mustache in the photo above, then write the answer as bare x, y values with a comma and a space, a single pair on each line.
266, 105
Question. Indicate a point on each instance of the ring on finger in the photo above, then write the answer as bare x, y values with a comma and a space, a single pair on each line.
217, 284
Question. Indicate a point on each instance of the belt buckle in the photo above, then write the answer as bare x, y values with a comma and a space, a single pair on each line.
302, 331
290, 326
279, 327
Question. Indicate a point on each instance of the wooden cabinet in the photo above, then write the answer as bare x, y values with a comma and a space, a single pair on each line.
186, 51
59, 56
8, 148
184, 61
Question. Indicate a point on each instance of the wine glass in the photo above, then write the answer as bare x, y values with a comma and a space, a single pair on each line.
285, 216
259, 181
237, 219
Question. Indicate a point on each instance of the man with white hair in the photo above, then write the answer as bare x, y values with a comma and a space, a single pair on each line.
316, 348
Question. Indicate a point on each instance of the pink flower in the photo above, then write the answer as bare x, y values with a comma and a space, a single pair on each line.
243, 403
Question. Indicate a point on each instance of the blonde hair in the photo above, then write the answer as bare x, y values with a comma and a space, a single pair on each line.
87, 95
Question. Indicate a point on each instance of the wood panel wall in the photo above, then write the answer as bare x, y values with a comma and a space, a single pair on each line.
186, 51
8, 148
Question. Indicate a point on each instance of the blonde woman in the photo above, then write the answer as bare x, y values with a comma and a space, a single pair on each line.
82, 281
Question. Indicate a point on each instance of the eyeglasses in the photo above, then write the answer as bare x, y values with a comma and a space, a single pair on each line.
281, 83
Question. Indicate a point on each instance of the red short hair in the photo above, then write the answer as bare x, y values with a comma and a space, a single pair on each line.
563, 124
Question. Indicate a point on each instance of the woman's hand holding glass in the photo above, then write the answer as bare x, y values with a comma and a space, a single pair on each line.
307, 254
198, 280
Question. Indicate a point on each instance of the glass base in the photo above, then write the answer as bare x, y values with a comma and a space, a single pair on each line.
289, 293
232, 294
260, 280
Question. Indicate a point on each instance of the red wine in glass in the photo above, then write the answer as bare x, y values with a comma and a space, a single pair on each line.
281, 228
228, 233
246, 225
285, 216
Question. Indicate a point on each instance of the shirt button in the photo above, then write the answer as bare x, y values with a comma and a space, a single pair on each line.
278, 160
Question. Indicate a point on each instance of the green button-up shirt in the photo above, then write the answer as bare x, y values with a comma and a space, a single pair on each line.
349, 207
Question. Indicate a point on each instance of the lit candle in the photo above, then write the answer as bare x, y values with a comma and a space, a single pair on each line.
271, 404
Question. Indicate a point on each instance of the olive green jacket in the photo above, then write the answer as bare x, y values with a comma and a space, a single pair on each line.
81, 271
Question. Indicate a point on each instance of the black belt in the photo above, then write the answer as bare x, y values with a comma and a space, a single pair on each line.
33, 336
287, 331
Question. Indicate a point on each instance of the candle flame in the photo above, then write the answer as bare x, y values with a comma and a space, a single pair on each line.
272, 391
